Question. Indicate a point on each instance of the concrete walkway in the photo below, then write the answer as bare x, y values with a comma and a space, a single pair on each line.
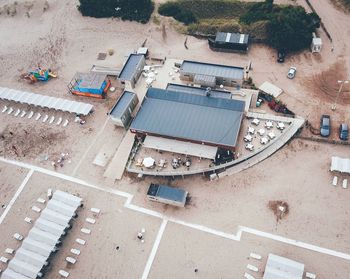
116, 167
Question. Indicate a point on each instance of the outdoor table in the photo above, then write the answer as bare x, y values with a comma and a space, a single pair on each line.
268, 124
280, 125
256, 121
264, 140
271, 135
261, 132
251, 130
249, 146
248, 138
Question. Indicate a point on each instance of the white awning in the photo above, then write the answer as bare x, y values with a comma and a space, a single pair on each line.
270, 89
340, 164
45, 101
283, 268
181, 147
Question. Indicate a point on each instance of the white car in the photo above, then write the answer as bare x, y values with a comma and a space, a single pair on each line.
291, 73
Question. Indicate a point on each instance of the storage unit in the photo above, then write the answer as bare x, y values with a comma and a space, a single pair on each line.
90, 84
316, 45
205, 73
229, 42
121, 113
166, 194
132, 69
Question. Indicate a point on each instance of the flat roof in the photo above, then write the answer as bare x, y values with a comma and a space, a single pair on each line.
167, 192
130, 66
198, 90
90, 80
122, 104
189, 117
181, 147
284, 268
216, 70
234, 38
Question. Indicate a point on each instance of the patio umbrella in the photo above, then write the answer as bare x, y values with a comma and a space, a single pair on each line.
148, 162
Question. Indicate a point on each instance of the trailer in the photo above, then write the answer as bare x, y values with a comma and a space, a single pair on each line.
166, 194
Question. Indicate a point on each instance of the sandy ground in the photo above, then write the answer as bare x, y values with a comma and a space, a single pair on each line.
62, 39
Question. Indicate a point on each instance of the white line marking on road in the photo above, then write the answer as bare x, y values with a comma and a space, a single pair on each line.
15, 196
296, 243
129, 198
154, 249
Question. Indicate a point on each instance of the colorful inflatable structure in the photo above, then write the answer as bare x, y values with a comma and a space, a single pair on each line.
39, 74
90, 85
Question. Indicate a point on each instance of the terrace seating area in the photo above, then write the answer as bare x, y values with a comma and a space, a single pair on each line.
33, 256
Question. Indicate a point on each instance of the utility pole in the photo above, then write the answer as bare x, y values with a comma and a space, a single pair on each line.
341, 82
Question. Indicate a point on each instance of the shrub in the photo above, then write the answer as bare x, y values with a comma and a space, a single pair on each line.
176, 11
138, 10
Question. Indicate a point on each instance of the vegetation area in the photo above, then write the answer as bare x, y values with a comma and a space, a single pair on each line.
281, 26
137, 10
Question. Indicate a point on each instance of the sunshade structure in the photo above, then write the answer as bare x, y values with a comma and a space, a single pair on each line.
270, 89
340, 164
182, 147
283, 268
45, 101
32, 257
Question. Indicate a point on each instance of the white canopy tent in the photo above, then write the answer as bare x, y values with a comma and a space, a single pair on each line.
181, 147
340, 164
45, 101
55, 217
270, 89
30, 257
283, 268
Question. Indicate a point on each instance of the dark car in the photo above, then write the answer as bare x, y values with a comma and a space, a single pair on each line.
280, 56
343, 131
325, 130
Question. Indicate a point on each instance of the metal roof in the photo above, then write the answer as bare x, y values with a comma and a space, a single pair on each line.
198, 90
215, 70
190, 117
130, 66
40, 242
44, 101
181, 147
166, 192
90, 80
235, 38
122, 104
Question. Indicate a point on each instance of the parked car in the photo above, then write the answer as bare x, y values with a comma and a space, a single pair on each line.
343, 131
280, 56
325, 130
291, 73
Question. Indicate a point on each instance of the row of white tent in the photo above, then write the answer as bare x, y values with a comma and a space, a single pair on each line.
45, 101
43, 238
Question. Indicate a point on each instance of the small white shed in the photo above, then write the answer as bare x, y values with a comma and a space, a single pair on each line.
270, 89
316, 45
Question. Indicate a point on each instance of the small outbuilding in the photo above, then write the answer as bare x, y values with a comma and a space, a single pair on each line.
207, 74
229, 42
166, 194
121, 113
316, 45
89, 84
132, 69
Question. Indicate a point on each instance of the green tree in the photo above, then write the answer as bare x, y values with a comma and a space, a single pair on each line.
291, 29
138, 10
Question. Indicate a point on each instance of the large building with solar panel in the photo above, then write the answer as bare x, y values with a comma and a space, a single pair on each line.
186, 116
